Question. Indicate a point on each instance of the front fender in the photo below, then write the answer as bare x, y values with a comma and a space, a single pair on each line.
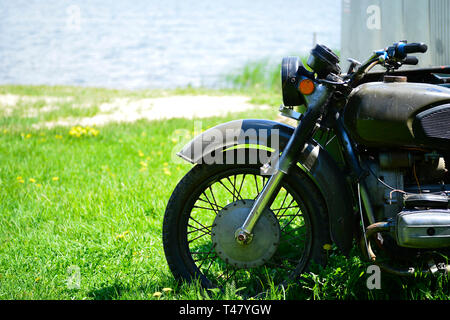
249, 132
316, 161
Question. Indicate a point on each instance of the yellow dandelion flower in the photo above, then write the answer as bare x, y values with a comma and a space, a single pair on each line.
5, 131
143, 163
167, 290
58, 136
37, 279
38, 185
122, 235
55, 178
28, 136
20, 181
32, 180
167, 171
327, 246
80, 131
93, 132
157, 294
165, 164
19, 178
141, 154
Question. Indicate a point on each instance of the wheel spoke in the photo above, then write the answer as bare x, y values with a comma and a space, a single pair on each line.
204, 208
289, 222
257, 189
215, 208
284, 211
213, 198
285, 208
231, 192
200, 229
198, 237
219, 193
221, 276
235, 196
207, 256
242, 183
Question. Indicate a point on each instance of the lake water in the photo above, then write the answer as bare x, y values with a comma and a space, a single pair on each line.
154, 44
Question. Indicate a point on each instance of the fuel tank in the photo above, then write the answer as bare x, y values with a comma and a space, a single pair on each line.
399, 114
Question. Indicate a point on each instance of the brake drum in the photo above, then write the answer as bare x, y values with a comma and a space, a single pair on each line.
266, 236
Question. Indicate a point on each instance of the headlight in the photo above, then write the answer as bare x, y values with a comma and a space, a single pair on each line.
289, 81
322, 61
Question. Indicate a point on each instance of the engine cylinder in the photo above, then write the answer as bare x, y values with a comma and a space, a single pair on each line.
423, 228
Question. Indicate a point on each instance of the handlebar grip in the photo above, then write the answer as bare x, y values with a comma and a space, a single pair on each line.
404, 49
410, 60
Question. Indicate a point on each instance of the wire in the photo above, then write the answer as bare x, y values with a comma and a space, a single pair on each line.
402, 191
415, 177
362, 219
382, 182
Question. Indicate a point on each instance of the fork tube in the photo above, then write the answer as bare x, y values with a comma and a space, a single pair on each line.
301, 135
260, 204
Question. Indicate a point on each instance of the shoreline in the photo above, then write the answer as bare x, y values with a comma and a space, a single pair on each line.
47, 107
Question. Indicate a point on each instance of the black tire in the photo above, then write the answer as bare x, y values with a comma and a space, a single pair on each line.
194, 186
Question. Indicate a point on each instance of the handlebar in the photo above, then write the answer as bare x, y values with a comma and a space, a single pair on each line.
410, 60
404, 48
401, 49
392, 57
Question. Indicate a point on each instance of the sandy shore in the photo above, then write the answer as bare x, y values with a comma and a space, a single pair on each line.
130, 110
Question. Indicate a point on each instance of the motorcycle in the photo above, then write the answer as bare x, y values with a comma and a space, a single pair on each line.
368, 162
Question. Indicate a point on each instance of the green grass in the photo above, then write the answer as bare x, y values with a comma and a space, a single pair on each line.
91, 208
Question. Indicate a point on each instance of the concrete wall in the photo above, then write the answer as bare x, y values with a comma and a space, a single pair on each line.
368, 25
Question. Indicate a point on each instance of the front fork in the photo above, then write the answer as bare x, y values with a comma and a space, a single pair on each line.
316, 103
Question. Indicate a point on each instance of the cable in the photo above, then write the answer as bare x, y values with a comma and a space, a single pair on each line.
382, 182
415, 176
398, 190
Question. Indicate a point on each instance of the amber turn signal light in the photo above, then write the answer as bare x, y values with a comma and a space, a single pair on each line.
306, 86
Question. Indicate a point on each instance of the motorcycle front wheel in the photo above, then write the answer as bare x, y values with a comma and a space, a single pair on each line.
212, 201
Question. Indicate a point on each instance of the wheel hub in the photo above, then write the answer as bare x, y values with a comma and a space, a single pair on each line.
264, 243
